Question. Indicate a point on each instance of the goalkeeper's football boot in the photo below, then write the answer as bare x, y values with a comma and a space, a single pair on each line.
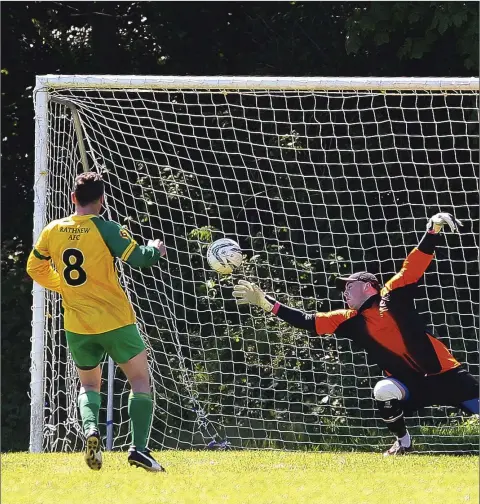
143, 459
93, 450
397, 449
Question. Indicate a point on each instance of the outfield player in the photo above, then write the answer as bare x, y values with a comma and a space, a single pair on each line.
420, 370
98, 317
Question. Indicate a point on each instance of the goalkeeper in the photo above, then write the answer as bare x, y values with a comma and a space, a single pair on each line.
98, 316
420, 370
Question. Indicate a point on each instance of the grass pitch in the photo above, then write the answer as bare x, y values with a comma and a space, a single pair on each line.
242, 478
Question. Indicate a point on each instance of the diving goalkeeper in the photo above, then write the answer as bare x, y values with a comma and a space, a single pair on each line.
98, 316
420, 371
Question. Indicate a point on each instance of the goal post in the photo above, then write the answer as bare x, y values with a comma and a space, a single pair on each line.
314, 177
37, 388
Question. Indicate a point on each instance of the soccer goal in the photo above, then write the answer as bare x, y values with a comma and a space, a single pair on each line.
314, 177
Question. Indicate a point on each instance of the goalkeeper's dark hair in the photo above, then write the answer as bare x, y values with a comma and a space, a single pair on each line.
89, 187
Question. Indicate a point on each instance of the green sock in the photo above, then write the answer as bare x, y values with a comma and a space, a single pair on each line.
89, 404
140, 409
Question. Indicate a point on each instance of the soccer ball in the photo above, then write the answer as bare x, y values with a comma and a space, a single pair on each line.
224, 256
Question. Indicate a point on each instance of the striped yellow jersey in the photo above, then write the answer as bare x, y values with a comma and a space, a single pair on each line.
75, 257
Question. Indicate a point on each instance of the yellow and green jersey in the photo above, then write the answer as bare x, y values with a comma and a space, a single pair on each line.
82, 249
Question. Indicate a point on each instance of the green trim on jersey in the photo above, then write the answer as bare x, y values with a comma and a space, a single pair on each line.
122, 245
37, 254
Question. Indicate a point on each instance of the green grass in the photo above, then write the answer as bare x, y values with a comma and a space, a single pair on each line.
254, 477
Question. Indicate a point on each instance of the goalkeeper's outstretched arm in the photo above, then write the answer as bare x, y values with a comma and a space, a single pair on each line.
421, 256
326, 323
317, 323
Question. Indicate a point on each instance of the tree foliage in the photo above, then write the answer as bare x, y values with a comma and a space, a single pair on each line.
442, 31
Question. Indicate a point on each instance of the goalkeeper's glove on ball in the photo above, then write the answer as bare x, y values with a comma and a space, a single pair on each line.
436, 223
248, 293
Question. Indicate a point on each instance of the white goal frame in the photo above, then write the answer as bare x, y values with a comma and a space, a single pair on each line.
41, 96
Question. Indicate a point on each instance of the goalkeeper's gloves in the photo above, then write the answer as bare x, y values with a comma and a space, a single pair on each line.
159, 245
248, 293
436, 223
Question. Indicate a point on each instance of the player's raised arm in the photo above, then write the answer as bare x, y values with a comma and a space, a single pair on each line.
39, 265
421, 256
122, 245
318, 323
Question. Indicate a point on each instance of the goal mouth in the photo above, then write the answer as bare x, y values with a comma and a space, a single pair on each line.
314, 178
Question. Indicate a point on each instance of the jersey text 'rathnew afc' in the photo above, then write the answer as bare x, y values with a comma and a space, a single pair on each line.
82, 249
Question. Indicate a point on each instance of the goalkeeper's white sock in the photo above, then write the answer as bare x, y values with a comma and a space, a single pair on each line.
405, 440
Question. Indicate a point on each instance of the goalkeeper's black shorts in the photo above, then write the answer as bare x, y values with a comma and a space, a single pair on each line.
456, 387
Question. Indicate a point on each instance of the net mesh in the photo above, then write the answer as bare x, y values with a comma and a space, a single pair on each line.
311, 184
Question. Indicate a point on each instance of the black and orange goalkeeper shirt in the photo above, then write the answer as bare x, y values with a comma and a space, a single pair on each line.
387, 325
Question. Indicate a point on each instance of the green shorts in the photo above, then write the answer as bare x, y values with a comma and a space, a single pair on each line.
88, 350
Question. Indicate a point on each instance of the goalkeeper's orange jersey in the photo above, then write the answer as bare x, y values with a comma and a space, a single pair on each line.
389, 328
82, 249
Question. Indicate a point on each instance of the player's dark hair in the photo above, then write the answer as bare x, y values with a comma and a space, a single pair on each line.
88, 188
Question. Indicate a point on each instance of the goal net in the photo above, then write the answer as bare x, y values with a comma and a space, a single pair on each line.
314, 178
